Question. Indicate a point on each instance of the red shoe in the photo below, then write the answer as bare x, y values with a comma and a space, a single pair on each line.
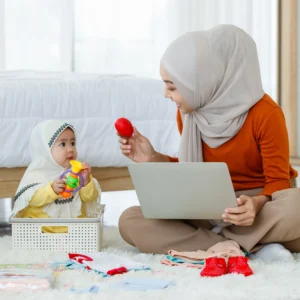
214, 266
239, 265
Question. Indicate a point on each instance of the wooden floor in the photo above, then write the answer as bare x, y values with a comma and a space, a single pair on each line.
110, 179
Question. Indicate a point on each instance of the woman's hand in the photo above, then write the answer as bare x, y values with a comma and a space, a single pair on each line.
137, 148
245, 213
86, 172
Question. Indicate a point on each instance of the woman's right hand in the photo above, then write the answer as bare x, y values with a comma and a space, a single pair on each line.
137, 148
58, 185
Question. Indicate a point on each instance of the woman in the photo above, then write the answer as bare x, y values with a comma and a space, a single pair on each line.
214, 78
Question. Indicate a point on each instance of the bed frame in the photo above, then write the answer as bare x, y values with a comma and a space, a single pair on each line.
110, 179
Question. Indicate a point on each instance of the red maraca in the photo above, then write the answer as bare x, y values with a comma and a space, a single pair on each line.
124, 127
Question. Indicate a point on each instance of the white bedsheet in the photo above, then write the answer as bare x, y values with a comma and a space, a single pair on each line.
91, 103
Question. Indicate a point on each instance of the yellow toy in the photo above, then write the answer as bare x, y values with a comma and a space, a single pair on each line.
74, 181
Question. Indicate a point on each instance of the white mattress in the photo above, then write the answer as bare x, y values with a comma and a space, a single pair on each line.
91, 103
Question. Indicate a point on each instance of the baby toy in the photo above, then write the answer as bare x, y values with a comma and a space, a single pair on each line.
72, 180
124, 127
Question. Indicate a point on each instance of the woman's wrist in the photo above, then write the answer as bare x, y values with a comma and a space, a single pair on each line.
158, 157
260, 201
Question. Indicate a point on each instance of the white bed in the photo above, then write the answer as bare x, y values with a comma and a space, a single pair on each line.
91, 103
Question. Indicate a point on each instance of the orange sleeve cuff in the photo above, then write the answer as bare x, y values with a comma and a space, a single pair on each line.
172, 159
275, 186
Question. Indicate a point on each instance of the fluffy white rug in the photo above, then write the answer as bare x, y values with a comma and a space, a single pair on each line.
271, 281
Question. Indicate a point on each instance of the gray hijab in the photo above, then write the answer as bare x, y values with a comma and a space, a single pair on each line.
217, 72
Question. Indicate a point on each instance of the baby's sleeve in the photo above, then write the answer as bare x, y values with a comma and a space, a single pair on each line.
89, 193
43, 196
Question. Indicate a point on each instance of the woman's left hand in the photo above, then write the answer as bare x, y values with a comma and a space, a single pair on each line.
244, 214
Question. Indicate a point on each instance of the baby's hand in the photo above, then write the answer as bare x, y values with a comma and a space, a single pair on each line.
86, 172
58, 185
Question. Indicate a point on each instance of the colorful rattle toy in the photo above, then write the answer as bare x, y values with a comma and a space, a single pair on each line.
124, 127
72, 180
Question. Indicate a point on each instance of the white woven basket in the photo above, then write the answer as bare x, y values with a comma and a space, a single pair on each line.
84, 234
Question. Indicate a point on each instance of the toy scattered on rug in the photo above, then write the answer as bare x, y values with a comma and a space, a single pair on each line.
213, 260
23, 278
103, 263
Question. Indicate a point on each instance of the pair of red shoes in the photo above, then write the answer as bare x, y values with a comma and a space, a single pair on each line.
216, 266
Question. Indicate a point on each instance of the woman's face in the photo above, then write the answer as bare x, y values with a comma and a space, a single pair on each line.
172, 92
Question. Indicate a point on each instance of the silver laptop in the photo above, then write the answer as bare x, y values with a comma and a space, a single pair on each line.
183, 190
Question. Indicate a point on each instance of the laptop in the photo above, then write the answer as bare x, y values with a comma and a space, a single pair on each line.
183, 190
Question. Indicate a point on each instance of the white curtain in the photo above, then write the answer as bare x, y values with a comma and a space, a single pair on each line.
117, 36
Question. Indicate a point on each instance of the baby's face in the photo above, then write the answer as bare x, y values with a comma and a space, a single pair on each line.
64, 148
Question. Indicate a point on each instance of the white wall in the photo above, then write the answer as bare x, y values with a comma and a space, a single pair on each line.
298, 80
2, 46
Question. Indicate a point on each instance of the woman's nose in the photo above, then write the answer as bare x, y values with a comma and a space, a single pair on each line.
167, 94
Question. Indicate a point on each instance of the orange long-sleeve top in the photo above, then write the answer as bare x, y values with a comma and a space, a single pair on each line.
258, 156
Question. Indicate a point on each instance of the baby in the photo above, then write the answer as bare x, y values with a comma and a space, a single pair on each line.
52, 147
